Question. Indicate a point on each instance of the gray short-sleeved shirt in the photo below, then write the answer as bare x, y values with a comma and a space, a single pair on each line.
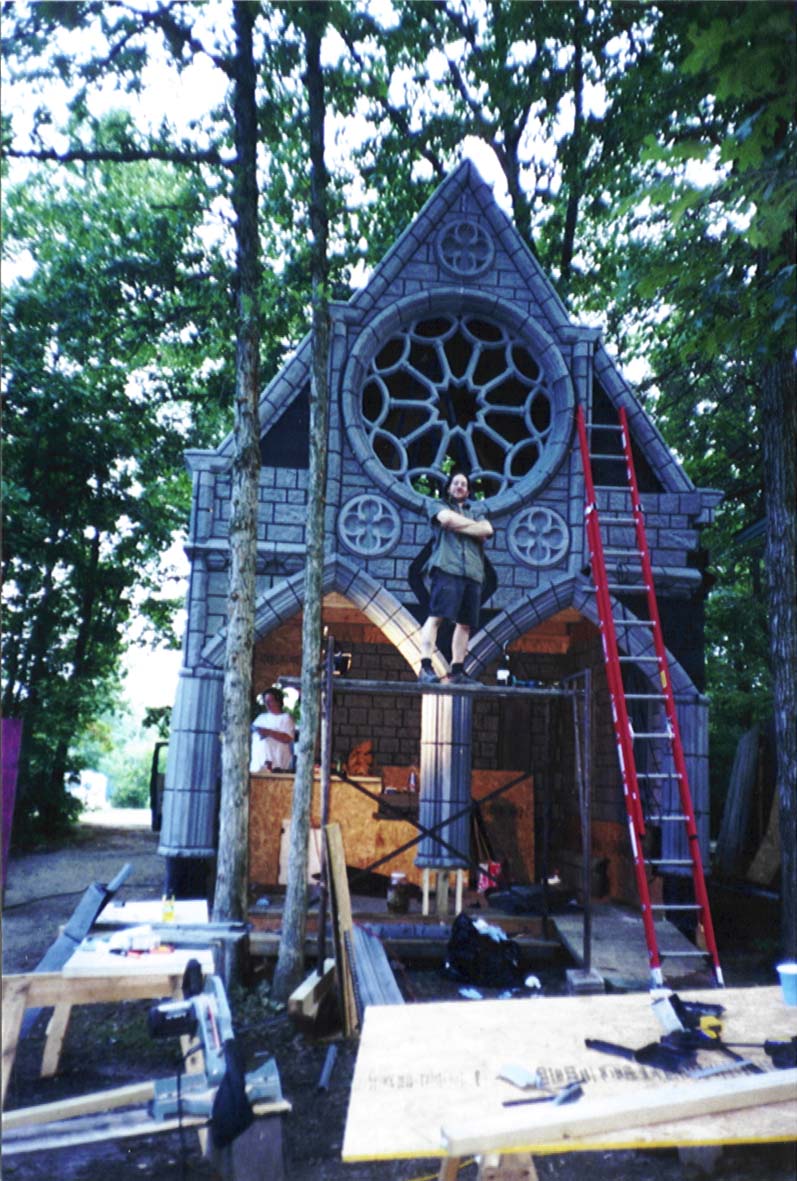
452, 552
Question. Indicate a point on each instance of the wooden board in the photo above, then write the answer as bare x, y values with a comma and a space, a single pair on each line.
97, 1129
735, 821
61, 1109
420, 1067
513, 1129
304, 1000
766, 862
619, 951
375, 980
341, 926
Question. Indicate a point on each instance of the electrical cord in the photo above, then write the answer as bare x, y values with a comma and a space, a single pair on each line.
43, 898
180, 1126
69, 894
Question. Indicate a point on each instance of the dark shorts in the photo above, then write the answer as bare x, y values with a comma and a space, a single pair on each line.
455, 598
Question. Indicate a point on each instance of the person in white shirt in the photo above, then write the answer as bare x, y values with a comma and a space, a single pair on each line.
273, 732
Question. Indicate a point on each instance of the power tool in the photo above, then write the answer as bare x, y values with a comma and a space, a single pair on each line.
222, 1092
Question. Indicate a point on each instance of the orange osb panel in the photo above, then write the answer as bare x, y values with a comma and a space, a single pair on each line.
509, 820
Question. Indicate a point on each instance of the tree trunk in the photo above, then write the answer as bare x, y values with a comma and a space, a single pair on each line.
779, 435
290, 962
230, 899
30, 673
575, 165
53, 787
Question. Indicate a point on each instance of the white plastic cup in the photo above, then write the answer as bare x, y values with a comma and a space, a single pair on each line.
788, 982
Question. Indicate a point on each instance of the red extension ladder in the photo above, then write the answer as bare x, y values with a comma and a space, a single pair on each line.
652, 764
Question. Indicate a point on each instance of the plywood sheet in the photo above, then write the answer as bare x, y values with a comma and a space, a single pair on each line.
420, 1067
365, 838
509, 819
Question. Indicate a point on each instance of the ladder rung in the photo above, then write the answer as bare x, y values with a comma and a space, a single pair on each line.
652, 734
605, 455
604, 426
675, 906
626, 587
616, 516
638, 659
645, 697
658, 775
667, 861
670, 818
634, 623
676, 953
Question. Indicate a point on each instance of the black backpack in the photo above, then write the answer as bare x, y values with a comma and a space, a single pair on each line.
476, 958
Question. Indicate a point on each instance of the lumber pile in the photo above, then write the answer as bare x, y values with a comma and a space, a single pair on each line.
364, 975
376, 983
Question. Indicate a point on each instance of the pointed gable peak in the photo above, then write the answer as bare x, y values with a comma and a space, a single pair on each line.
461, 238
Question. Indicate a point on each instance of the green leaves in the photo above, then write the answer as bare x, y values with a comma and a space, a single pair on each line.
103, 391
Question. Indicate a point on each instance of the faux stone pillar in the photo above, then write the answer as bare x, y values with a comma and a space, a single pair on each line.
190, 792
445, 780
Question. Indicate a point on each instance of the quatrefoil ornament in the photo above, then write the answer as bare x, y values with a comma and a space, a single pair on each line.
465, 248
538, 536
369, 525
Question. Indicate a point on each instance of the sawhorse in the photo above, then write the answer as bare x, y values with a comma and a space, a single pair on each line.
45, 990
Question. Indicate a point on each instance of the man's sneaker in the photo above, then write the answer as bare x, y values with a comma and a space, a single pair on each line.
461, 679
427, 677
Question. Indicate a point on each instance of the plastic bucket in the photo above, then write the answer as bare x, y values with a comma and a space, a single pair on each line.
788, 982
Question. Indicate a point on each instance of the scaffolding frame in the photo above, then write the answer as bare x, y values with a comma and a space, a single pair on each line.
576, 688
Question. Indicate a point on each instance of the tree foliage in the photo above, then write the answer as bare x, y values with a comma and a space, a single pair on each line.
715, 270
109, 374
529, 82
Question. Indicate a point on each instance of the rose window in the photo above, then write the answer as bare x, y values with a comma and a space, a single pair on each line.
460, 389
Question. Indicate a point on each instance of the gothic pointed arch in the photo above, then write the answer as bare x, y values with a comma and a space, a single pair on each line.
340, 574
521, 616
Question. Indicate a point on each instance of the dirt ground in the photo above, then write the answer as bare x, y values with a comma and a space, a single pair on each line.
108, 1046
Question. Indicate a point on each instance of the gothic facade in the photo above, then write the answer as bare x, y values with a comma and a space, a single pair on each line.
458, 349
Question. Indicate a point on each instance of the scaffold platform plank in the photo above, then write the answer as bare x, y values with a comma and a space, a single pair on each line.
414, 688
619, 952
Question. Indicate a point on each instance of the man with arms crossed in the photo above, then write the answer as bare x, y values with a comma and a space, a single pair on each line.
456, 568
